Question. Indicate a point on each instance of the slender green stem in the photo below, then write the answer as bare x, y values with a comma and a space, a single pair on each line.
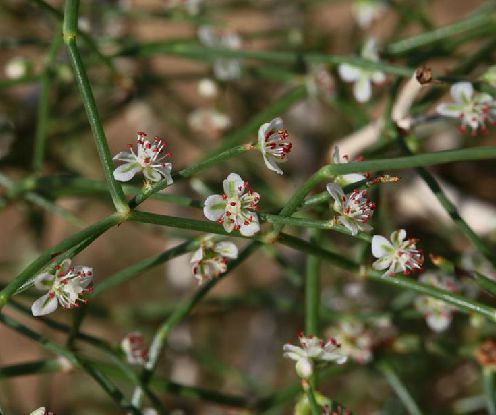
489, 390
399, 388
44, 102
34, 267
70, 34
162, 334
314, 406
29, 368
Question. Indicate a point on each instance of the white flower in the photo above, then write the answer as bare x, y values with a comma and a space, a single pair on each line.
356, 340
17, 68
398, 255
225, 69
345, 179
192, 7
65, 285
472, 108
147, 159
207, 88
135, 348
312, 352
354, 210
366, 11
41, 411
320, 81
235, 208
210, 260
209, 121
272, 142
490, 76
438, 314
363, 78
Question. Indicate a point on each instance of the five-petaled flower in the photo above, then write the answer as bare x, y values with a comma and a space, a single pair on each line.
313, 351
235, 209
437, 313
211, 259
473, 109
135, 348
41, 411
65, 284
149, 159
354, 210
272, 142
225, 69
349, 178
362, 78
399, 255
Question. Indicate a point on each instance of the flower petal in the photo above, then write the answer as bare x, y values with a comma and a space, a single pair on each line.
197, 255
462, 91
336, 192
44, 305
304, 368
251, 229
44, 281
124, 156
382, 263
233, 185
398, 236
214, 207
126, 171
227, 69
152, 174
362, 89
380, 246
439, 321
349, 73
378, 77
449, 110
271, 164
226, 249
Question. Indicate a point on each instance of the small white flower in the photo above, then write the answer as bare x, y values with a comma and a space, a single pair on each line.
473, 109
490, 76
272, 142
211, 259
207, 88
235, 209
135, 348
354, 209
398, 255
149, 159
313, 351
356, 340
17, 68
346, 179
362, 78
366, 11
225, 69
438, 314
41, 411
65, 285
320, 81
209, 121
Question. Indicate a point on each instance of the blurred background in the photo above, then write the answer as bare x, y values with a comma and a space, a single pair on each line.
232, 343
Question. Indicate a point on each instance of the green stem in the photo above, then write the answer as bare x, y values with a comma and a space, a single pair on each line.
314, 406
489, 390
44, 103
34, 267
36, 367
181, 312
70, 34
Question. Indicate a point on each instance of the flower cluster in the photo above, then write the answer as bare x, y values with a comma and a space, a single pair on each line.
313, 351
135, 349
148, 159
211, 259
397, 255
473, 109
225, 69
437, 313
66, 285
235, 209
354, 210
362, 78
273, 143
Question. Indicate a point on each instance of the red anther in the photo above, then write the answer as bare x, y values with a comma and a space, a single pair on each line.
228, 213
300, 334
246, 184
246, 223
237, 227
233, 203
141, 133
51, 295
224, 196
130, 145
168, 154
57, 267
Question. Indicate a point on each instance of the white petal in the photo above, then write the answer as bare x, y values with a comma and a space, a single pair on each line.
276, 124
261, 136
197, 255
124, 156
378, 77
380, 246
214, 207
449, 110
362, 89
439, 321
165, 171
462, 91
304, 368
271, 164
39, 411
398, 236
382, 263
226, 249
227, 69
349, 73
207, 36
43, 281
152, 174
352, 178
251, 229
349, 224
126, 172
336, 192
233, 185
44, 305
335, 156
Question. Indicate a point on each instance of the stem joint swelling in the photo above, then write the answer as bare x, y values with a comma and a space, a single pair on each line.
69, 37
